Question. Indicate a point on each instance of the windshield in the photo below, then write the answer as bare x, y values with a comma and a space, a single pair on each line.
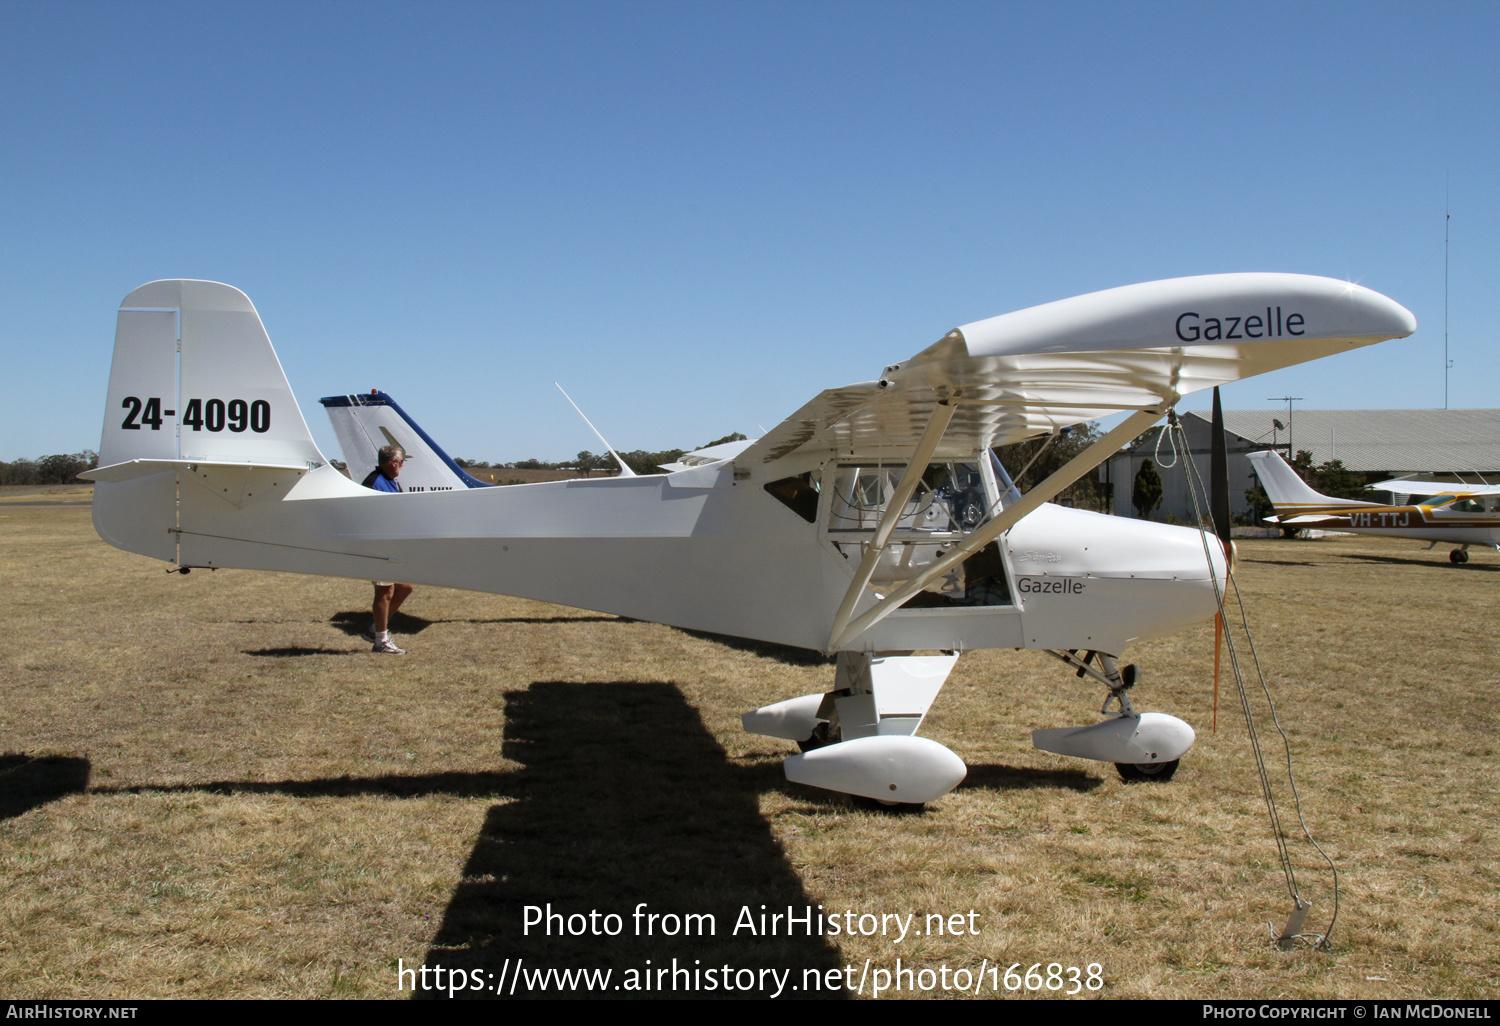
949, 499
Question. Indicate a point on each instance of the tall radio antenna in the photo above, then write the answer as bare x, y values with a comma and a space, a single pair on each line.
1447, 363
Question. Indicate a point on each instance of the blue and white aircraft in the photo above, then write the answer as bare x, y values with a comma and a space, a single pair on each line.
364, 422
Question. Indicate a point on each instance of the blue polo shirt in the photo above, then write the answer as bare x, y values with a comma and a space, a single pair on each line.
378, 481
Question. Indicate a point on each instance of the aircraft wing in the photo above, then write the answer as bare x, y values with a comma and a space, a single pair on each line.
1139, 347
1419, 486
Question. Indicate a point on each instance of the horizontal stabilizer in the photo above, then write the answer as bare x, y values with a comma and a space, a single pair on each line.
132, 469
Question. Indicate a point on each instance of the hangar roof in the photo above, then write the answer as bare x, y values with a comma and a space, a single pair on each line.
1378, 441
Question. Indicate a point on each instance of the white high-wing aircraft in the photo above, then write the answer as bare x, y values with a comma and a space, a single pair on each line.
1457, 514
873, 523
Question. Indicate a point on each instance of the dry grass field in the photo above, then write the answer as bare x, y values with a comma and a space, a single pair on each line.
211, 788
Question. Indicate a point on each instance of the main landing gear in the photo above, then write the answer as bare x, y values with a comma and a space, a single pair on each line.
860, 738
1461, 554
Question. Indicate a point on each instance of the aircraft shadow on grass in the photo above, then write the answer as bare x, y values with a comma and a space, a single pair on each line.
28, 781
352, 622
1021, 778
300, 650
787, 654
543, 619
393, 785
1432, 564
623, 797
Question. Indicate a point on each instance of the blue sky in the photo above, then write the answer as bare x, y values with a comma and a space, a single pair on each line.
697, 215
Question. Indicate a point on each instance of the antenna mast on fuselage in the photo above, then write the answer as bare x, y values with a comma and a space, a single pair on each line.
1447, 363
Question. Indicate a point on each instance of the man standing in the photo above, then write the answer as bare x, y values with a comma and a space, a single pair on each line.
388, 594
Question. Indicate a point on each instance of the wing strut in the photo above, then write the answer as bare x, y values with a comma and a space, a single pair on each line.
942, 413
1060, 479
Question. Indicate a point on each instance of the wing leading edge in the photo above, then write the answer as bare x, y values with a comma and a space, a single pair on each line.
1137, 347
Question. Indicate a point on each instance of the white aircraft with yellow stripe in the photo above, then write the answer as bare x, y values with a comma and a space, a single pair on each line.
873, 524
1459, 514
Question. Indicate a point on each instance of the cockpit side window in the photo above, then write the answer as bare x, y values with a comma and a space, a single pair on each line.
950, 501
798, 494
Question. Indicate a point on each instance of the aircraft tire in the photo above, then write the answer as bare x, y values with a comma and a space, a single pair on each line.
889, 808
1160, 772
1458, 556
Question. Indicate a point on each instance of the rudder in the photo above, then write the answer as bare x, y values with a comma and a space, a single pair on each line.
1288, 492
194, 377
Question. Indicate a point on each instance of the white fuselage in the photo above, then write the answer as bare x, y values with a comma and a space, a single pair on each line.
696, 549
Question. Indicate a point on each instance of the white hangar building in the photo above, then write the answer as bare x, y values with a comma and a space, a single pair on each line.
1451, 444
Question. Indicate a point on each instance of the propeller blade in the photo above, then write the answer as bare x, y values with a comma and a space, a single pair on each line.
1218, 647
1218, 507
1218, 475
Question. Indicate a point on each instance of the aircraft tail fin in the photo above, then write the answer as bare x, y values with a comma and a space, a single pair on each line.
194, 380
1288, 492
365, 422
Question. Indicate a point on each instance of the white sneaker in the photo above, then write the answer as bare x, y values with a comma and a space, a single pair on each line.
388, 647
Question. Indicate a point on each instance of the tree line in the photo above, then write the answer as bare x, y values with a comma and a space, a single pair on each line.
1031, 462
639, 460
57, 469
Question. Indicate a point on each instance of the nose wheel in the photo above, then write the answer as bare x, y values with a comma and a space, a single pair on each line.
1126, 735
1160, 772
